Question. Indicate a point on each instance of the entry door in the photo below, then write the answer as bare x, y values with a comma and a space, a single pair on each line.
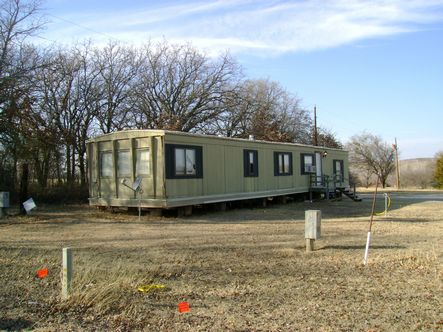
318, 168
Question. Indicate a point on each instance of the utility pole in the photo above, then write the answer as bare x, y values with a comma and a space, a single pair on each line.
395, 146
315, 127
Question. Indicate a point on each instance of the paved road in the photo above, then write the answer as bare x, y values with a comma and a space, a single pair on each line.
409, 196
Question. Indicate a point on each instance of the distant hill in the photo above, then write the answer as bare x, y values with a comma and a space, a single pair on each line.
417, 164
416, 173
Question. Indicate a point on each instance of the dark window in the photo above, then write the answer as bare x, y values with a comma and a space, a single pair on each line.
282, 163
339, 171
183, 161
307, 161
250, 160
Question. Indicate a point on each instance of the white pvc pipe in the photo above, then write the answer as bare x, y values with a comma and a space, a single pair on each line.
368, 241
67, 273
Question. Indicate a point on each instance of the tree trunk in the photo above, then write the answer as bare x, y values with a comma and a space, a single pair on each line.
73, 166
82, 167
42, 168
14, 176
58, 164
68, 163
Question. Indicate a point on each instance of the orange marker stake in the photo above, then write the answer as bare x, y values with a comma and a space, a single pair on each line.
42, 273
183, 307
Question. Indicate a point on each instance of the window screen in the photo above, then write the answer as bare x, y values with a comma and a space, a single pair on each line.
106, 164
190, 162
185, 163
307, 163
142, 162
123, 163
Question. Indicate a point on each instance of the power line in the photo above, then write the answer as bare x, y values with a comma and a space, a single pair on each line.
84, 27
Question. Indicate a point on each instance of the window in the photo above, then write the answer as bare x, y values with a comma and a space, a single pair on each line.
183, 161
282, 163
250, 160
339, 171
123, 163
307, 163
142, 164
106, 164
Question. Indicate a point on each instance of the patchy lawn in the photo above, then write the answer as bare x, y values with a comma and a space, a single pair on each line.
240, 270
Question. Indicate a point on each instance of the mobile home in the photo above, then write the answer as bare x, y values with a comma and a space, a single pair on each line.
166, 169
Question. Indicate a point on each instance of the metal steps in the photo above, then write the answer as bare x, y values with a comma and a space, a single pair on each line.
350, 194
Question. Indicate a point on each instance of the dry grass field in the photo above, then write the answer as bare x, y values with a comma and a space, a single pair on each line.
240, 270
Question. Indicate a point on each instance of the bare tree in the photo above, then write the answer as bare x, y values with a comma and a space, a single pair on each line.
417, 173
60, 101
118, 67
327, 138
89, 94
264, 109
234, 117
18, 21
179, 88
367, 151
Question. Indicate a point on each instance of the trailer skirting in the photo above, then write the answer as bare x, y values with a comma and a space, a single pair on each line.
186, 201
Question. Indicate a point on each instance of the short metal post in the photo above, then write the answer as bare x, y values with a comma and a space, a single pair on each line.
139, 207
386, 204
67, 273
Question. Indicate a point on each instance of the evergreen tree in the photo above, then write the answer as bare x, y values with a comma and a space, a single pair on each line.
438, 175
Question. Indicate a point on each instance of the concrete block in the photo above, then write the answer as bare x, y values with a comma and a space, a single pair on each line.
312, 224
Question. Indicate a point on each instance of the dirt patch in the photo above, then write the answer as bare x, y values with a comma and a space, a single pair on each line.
241, 270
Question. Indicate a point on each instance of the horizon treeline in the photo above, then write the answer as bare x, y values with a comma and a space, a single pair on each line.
52, 99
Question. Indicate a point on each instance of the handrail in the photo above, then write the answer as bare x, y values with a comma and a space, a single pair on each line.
319, 180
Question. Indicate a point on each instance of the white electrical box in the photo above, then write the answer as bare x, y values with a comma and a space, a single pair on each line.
312, 224
4, 199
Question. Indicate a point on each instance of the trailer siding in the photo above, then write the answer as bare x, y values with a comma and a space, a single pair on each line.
114, 157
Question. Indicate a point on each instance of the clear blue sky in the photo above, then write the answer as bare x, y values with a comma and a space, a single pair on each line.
374, 66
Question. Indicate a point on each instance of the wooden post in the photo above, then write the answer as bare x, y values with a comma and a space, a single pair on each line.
310, 245
315, 127
368, 239
397, 166
67, 273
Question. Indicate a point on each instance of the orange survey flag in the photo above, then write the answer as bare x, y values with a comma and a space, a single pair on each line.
183, 307
42, 273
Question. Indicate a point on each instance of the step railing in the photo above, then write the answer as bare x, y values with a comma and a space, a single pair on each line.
319, 181
339, 180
